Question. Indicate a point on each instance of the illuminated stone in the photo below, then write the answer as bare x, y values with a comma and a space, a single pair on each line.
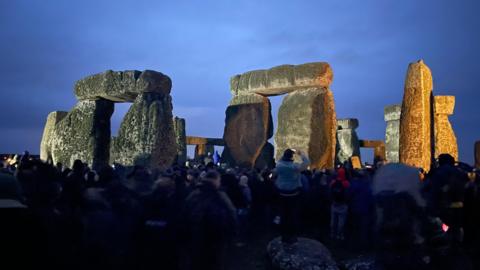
347, 140
445, 140
181, 139
307, 121
415, 123
248, 126
84, 133
392, 132
122, 86
282, 79
48, 132
146, 136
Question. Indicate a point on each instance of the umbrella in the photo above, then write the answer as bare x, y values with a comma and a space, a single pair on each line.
397, 178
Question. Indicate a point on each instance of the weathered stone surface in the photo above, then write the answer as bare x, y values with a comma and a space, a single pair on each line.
122, 86
476, 153
282, 79
307, 121
392, 132
48, 133
393, 112
146, 135
415, 121
266, 159
347, 140
347, 123
84, 133
445, 140
194, 140
361, 262
248, 126
181, 139
443, 104
306, 254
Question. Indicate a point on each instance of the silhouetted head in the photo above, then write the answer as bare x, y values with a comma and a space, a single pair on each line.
106, 175
77, 166
288, 155
446, 159
213, 177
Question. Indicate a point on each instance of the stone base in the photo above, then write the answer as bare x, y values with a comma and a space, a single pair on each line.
359, 263
306, 254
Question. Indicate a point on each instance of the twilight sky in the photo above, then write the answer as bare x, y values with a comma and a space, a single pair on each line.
47, 45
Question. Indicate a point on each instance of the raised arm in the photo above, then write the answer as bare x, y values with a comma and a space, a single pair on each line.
305, 162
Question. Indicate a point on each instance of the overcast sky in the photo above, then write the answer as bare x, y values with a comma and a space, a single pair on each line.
47, 45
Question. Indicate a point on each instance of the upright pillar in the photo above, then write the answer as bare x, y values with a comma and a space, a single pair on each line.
392, 133
445, 140
415, 119
347, 139
181, 139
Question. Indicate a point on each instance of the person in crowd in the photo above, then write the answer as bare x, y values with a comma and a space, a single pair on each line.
140, 180
73, 188
447, 195
243, 209
208, 225
289, 185
59, 167
186, 217
399, 207
361, 207
339, 209
208, 158
23, 238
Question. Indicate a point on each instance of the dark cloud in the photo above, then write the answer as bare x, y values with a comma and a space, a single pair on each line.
47, 45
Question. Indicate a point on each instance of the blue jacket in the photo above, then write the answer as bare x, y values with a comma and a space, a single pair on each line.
288, 174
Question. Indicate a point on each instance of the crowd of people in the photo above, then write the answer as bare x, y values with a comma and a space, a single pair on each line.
189, 217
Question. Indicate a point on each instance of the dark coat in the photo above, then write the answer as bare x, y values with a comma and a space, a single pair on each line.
208, 224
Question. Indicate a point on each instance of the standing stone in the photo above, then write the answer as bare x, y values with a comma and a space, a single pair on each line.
347, 140
48, 133
415, 119
181, 139
84, 133
392, 134
445, 140
122, 86
477, 154
248, 126
307, 121
146, 136
266, 160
